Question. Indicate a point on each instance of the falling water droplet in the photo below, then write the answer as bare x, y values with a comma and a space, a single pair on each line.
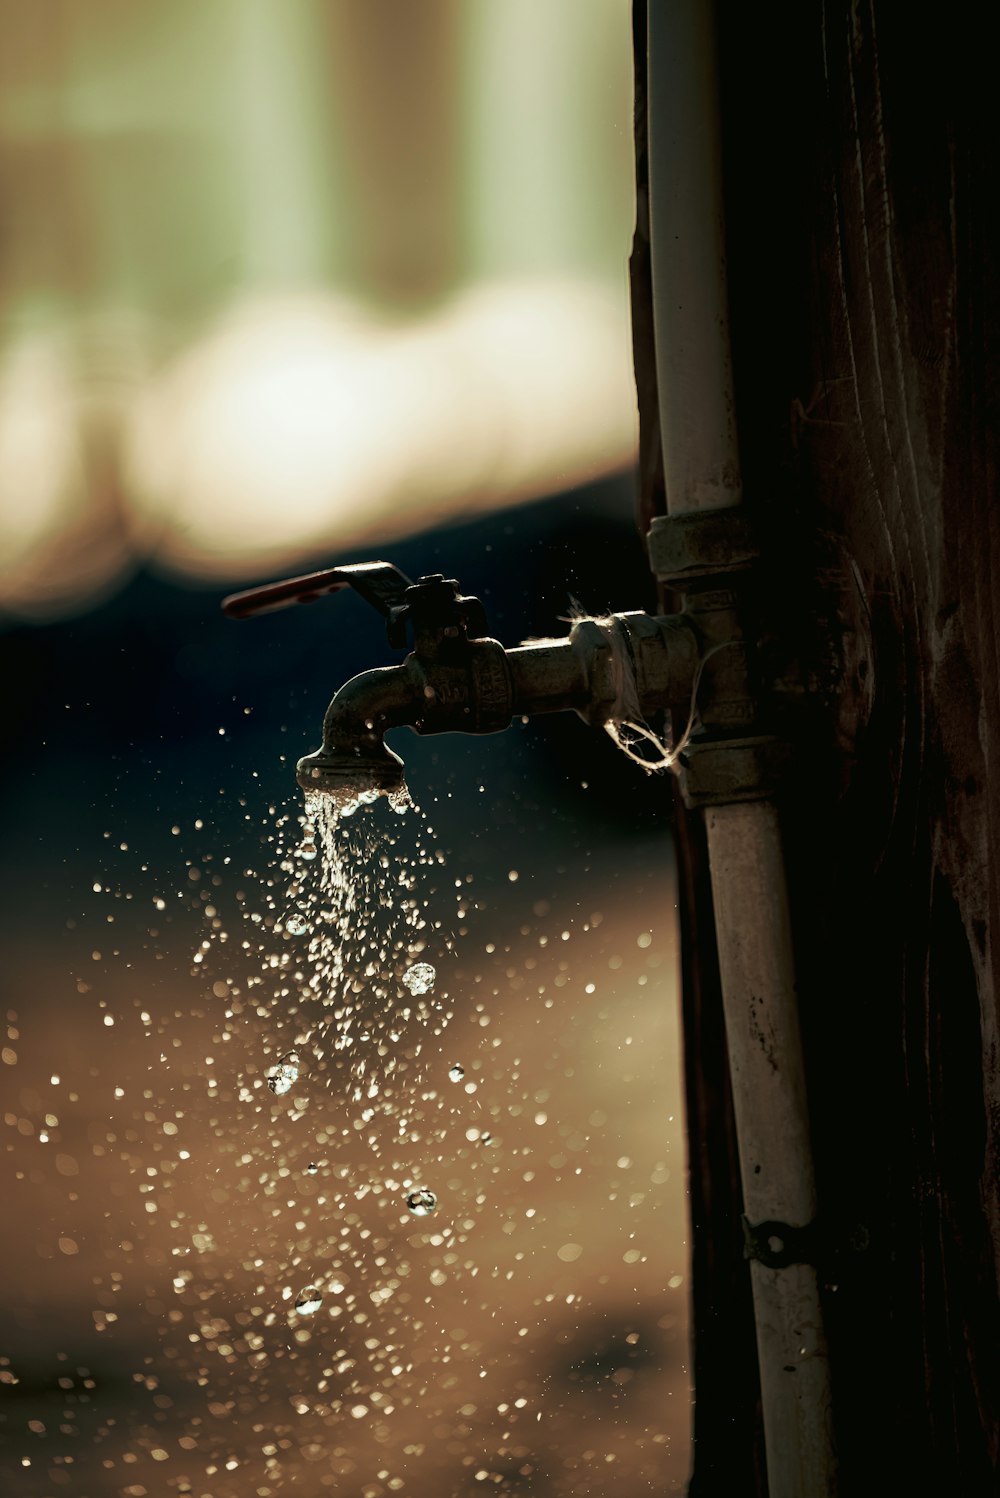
308, 1301
307, 848
422, 1202
457, 1072
296, 924
486, 1137
419, 978
283, 1077
312, 1168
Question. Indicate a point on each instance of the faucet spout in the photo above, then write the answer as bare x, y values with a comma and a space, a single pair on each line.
354, 761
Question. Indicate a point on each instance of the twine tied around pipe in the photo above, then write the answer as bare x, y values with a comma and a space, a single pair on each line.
625, 725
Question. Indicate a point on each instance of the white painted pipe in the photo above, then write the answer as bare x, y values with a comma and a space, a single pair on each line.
702, 471
772, 1125
694, 375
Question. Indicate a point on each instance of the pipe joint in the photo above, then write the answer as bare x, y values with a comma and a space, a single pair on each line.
709, 556
464, 690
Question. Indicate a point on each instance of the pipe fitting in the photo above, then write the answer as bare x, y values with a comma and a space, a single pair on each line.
666, 652
465, 687
612, 668
622, 666
593, 645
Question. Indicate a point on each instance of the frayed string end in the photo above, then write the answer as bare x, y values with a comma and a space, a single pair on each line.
625, 725
666, 757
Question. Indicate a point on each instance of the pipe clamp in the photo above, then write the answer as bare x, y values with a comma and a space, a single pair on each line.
778, 1244
701, 544
718, 771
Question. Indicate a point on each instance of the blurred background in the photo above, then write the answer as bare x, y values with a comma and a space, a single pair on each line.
286, 284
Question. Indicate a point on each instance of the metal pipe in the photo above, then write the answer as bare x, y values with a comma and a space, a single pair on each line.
547, 677
584, 671
702, 471
457, 685
776, 1166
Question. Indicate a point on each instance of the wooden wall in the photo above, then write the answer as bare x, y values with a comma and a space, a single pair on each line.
861, 160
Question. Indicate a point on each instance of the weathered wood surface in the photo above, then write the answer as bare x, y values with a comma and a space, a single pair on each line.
862, 228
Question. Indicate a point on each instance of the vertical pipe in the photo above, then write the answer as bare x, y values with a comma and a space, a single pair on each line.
702, 471
694, 375
776, 1168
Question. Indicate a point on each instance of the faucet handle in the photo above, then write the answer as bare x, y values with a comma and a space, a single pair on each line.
379, 583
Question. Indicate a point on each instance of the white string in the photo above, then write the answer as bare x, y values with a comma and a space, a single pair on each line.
626, 715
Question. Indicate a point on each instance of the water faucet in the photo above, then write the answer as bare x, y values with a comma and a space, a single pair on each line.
457, 679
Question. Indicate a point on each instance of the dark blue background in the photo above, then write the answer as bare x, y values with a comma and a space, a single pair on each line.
111, 720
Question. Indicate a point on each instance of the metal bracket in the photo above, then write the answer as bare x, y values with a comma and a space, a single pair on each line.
778, 1244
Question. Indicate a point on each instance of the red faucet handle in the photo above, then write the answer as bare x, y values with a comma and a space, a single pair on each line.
379, 583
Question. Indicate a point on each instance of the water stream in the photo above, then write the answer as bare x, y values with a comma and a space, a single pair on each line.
342, 1239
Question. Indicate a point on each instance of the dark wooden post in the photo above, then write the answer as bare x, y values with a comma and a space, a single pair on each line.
861, 161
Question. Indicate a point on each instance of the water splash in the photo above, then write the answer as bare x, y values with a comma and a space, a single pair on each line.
366, 907
344, 801
419, 979
318, 985
283, 1077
